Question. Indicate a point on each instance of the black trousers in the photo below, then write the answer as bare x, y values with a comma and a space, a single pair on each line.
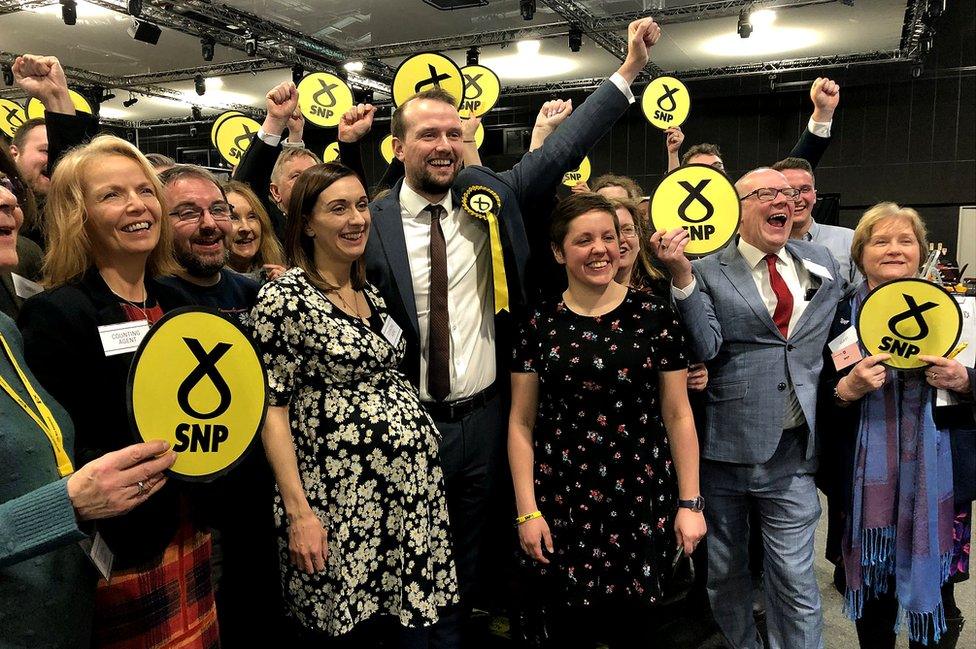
623, 626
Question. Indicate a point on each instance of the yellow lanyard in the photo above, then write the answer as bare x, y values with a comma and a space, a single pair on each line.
45, 421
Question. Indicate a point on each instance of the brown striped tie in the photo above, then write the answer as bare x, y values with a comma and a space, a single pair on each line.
439, 331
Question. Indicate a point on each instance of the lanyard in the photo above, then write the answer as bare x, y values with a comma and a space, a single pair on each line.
45, 421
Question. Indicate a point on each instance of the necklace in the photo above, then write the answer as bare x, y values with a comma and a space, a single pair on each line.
354, 309
142, 307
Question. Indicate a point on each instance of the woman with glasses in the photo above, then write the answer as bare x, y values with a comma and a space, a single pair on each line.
254, 249
108, 241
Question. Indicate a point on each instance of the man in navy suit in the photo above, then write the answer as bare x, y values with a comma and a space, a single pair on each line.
432, 261
758, 313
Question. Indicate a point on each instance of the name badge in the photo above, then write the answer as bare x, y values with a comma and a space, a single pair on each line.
124, 337
817, 269
844, 349
100, 555
24, 288
392, 332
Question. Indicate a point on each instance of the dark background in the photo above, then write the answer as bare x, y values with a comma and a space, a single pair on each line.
896, 137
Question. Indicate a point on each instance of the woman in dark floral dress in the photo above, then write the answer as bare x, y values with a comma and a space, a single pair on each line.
601, 440
365, 544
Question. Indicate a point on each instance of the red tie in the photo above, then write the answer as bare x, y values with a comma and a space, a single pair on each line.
784, 299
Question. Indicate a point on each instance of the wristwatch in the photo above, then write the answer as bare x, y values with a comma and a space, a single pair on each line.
695, 504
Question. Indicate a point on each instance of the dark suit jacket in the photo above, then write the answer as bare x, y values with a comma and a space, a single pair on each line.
534, 177
63, 349
810, 147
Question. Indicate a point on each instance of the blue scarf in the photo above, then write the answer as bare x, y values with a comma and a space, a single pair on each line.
902, 511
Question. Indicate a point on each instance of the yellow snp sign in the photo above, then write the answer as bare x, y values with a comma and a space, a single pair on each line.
35, 108
907, 318
666, 102
324, 98
578, 175
197, 382
702, 200
425, 71
331, 153
481, 89
220, 120
233, 137
12, 117
386, 148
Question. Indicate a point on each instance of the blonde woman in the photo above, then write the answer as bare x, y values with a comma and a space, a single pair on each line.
108, 240
254, 249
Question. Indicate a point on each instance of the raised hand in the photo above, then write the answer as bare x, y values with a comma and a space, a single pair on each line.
825, 95
669, 247
642, 34
43, 77
296, 126
674, 138
356, 122
281, 102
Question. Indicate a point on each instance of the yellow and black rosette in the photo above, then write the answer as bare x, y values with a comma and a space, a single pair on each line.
484, 203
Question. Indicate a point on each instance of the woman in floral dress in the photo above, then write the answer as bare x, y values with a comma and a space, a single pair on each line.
365, 549
601, 440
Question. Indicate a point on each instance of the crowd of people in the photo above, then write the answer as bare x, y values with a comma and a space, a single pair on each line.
625, 412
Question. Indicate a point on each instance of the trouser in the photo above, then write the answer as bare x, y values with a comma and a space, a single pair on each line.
783, 492
621, 626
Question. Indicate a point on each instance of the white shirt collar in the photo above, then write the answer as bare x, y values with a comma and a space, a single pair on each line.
754, 255
414, 203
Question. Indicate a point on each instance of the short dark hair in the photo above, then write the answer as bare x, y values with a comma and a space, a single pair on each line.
397, 126
299, 247
629, 185
794, 163
24, 129
573, 206
160, 160
700, 149
181, 171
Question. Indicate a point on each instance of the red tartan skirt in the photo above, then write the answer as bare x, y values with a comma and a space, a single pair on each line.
167, 606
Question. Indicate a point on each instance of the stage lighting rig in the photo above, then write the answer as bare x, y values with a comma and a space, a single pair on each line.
69, 12
745, 22
200, 84
134, 7
527, 7
207, 48
250, 44
473, 55
131, 101
575, 39
196, 113
143, 31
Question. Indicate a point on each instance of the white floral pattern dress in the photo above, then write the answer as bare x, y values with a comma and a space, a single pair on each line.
368, 458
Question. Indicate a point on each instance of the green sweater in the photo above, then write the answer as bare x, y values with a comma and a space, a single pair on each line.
47, 584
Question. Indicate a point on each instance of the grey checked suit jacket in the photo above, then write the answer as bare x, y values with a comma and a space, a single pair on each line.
535, 177
748, 359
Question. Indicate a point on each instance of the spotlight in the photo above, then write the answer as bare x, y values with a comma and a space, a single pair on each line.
353, 66
193, 131
102, 95
917, 70
362, 95
196, 113
134, 7
207, 48
928, 41
473, 53
745, 25
144, 31
527, 7
199, 84
131, 101
575, 39
250, 45
69, 12
297, 73
8, 75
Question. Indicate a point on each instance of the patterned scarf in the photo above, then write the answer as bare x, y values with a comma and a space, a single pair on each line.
902, 513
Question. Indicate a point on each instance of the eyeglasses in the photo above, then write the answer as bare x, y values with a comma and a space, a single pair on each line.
628, 232
766, 194
189, 213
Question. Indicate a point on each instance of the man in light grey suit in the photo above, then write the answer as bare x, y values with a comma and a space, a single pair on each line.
758, 313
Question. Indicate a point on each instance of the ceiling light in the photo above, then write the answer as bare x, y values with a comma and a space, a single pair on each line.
762, 18
774, 40
69, 12
354, 66
250, 45
110, 112
131, 101
473, 53
143, 31
528, 47
134, 7
744, 27
528, 63
207, 48
84, 11
215, 83
575, 39
200, 84
527, 8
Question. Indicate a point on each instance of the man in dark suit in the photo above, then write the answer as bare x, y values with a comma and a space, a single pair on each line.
759, 313
432, 261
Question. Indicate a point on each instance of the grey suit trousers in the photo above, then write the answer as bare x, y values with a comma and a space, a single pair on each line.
782, 491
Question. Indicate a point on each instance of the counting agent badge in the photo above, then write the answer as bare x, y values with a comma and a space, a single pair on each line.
703, 201
324, 98
666, 102
908, 318
197, 382
425, 71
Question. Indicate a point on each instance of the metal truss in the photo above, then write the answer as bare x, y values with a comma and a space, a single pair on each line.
914, 31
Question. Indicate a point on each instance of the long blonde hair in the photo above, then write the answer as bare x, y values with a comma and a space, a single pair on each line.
270, 250
69, 248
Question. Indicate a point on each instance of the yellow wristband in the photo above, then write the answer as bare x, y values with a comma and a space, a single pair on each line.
528, 517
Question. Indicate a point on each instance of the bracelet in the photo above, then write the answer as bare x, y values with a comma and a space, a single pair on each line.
528, 517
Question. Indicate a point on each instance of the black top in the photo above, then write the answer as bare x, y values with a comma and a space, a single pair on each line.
234, 295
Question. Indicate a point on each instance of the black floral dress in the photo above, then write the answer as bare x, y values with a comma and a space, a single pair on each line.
604, 477
368, 458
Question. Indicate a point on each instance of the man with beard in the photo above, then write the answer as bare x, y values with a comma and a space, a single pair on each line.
201, 221
238, 504
432, 260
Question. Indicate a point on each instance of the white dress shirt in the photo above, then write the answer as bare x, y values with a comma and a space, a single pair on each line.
470, 296
797, 279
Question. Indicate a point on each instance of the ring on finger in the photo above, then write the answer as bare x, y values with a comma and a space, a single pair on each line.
142, 488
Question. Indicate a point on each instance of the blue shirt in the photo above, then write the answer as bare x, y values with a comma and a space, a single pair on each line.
838, 241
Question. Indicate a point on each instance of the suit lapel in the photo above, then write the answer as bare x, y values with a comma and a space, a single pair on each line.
739, 274
816, 301
389, 228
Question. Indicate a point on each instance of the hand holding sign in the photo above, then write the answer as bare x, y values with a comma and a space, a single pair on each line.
669, 247
866, 377
356, 122
946, 374
674, 138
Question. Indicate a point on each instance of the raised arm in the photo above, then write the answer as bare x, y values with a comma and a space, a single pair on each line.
257, 162
815, 138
